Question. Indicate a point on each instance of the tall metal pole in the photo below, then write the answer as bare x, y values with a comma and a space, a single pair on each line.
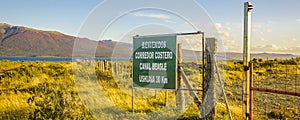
246, 58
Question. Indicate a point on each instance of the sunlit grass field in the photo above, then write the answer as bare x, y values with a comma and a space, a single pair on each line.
58, 90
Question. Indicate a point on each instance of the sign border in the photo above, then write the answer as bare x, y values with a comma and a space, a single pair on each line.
176, 61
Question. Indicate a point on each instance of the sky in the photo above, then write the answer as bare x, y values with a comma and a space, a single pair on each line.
275, 23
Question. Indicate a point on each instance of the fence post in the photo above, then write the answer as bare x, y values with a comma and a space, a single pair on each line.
113, 67
132, 98
179, 96
208, 96
98, 64
251, 91
120, 69
102, 64
166, 97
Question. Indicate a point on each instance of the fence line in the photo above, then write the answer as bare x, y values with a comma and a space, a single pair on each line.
278, 88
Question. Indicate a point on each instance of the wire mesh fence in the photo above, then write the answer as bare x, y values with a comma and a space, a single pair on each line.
277, 75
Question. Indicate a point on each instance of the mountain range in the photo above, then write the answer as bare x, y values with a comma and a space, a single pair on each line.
23, 41
190, 55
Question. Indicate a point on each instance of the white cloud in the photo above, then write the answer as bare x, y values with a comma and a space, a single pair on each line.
232, 45
228, 37
290, 41
261, 33
151, 15
3, 18
293, 40
228, 28
224, 30
257, 25
224, 34
262, 39
218, 26
238, 26
298, 20
170, 21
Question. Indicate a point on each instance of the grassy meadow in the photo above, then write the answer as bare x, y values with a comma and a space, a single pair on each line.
82, 90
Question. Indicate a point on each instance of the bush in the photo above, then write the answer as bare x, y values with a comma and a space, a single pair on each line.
278, 114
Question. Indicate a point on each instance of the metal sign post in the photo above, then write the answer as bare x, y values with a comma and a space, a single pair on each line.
156, 65
246, 58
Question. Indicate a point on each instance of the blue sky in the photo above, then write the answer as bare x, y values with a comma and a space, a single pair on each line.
275, 23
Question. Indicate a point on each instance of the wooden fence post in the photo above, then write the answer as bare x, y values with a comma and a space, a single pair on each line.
179, 95
209, 79
115, 68
102, 62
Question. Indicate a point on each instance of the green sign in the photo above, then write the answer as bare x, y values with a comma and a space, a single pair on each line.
154, 62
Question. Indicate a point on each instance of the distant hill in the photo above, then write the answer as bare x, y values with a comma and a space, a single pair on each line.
265, 56
22, 41
191, 55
